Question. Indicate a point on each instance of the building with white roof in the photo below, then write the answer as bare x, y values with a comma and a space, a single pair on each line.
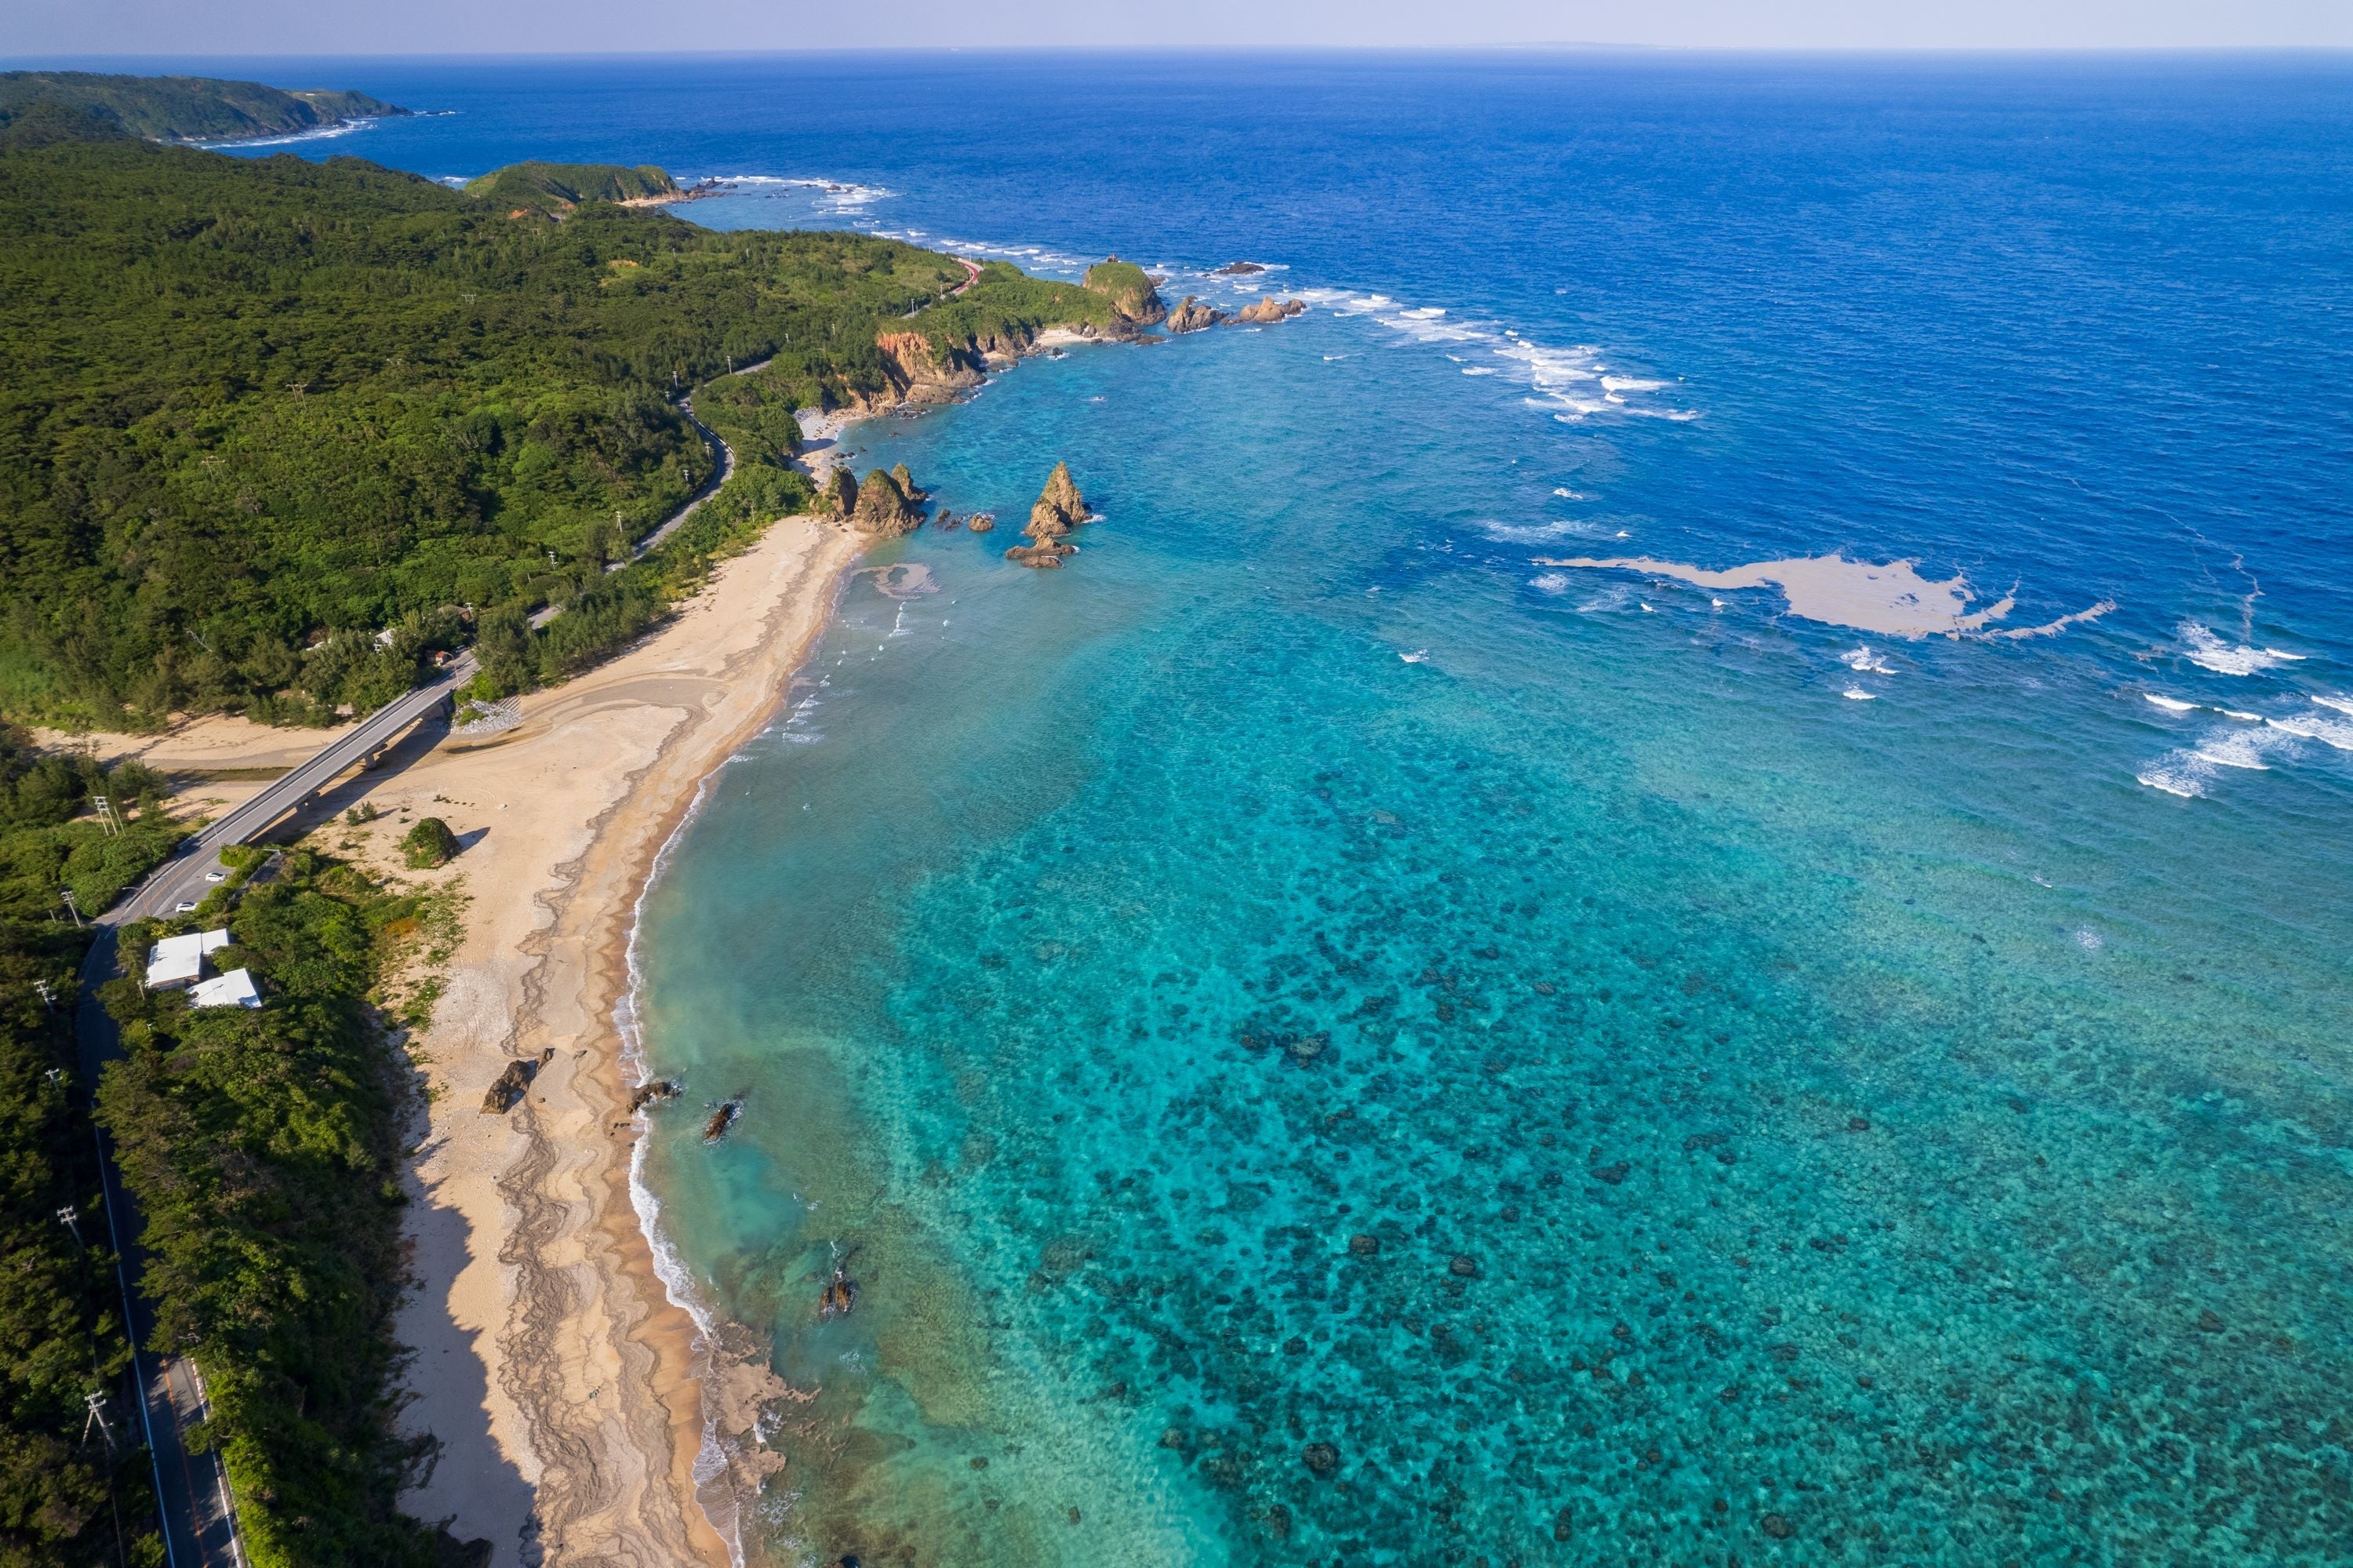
234, 989
180, 960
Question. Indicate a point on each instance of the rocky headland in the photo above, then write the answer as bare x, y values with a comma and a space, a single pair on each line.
921, 374
1130, 291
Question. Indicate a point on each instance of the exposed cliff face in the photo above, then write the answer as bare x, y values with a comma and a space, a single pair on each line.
1269, 310
1130, 292
1059, 511
1192, 316
882, 507
921, 373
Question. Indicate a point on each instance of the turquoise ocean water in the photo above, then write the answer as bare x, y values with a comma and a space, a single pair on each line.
1321, 1041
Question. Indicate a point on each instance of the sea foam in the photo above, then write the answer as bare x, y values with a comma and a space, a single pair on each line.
2208, 651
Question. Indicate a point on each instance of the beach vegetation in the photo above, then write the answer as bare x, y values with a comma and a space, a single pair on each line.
428, 843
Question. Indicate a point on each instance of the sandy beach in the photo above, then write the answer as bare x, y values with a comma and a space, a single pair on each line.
560, 1381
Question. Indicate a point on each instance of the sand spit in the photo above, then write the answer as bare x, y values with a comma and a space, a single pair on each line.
1892, 599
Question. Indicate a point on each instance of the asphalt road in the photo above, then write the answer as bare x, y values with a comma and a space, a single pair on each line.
198, 1514
188, 876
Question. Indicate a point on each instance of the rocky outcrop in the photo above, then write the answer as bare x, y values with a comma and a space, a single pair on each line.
921, 374
1133, 298
1059, 512
981, 523
840, 494
1269, 310
1060, 508
883, 506
906, 482
1192, 316
1238, 269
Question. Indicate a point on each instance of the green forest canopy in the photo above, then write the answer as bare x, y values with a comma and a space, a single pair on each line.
271, 429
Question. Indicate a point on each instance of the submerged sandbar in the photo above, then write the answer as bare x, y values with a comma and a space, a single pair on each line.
1893, 600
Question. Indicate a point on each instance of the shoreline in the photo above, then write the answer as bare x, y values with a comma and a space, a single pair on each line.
565, 1383
582, 1402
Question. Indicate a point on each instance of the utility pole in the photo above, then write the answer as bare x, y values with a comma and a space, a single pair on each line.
96, 1401
49, 1002
75, 907
68, 1217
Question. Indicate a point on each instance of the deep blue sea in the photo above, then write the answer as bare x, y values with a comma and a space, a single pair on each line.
1321, 1039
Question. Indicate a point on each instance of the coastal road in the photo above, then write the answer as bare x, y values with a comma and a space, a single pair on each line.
189, 874
199, 1516
723, 464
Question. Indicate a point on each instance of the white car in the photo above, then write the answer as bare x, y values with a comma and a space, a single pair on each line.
186, 907
215, 877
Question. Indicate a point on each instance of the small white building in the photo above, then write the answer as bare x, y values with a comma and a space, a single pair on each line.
234, 989
180, 960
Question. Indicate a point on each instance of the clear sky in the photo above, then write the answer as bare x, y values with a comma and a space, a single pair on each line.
152, 27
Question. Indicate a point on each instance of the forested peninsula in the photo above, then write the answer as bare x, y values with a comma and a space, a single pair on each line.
271, 432
271, 429
189, 108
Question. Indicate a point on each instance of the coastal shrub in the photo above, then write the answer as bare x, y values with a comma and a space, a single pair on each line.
262, 1145
428, 843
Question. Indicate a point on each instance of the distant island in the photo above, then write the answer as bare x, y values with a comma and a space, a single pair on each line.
189, 108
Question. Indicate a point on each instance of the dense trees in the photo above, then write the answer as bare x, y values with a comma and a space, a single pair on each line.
262, 1145
69, 1492
188, 108
270, 433
254, 413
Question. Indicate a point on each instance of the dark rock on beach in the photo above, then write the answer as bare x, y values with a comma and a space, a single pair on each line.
509, 1086
646, 1093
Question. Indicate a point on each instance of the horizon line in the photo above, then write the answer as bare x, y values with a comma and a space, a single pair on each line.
54, 60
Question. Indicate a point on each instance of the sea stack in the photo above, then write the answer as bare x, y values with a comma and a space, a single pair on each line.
883, 506
1192, 316
1269, 310
841, 492
1060, 511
